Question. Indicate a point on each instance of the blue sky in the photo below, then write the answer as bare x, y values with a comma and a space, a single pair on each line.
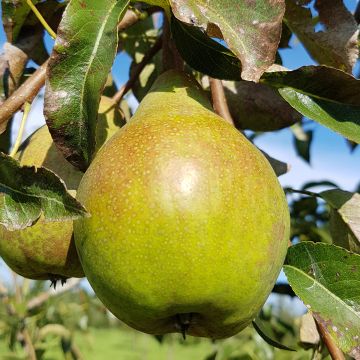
330, 155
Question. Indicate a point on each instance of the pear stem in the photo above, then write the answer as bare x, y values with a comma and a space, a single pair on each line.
335, 352
183, 322
27, 107
220, 104
171, 56
41, 19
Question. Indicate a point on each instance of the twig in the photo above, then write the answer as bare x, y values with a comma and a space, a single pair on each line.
25, 93
171, 57
220, 104
29, 345
335, 352
303, 192
139, 68
43, 297
41, 19
130, 18
17, 144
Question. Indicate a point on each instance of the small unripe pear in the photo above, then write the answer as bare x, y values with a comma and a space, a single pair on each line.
47, 250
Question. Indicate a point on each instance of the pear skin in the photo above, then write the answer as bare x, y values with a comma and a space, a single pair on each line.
189, 225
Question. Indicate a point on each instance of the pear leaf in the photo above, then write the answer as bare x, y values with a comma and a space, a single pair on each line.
344, 218
326, 95
336, 44
79, 65
27, 192
14, 14
251, 29
327, 279
302, 141
203, 53
260, 328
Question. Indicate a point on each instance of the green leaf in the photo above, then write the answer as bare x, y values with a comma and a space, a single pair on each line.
14, 14
302, 141
251, 29
263, 331
344, 218
204, 54
80, 63
327, 280
326, 95
27, 192
137, 41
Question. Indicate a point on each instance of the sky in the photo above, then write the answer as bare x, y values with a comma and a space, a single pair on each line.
331, 158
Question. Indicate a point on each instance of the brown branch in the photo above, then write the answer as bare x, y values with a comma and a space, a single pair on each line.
334, 351
220, 104
130, 18
137, 71
171, 57
25, 93
29, 346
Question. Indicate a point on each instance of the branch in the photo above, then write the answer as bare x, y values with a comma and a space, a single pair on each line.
220, 104
335, 352
25, 93
43, 297
29, 344
138, 69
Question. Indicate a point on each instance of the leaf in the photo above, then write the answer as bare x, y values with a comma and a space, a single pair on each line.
327, 280
203, 53
335, 45
344, 217
252, 30
279, 167
326, 95
109, 120
80, 63
27, 192
138, 40
302, 141
14, 14
263, 331
139, 37
258, 107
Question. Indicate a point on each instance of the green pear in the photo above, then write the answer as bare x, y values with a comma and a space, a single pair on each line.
47, 250
189, 226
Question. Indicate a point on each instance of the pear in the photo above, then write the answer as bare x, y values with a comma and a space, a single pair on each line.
189, 226
47, 250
